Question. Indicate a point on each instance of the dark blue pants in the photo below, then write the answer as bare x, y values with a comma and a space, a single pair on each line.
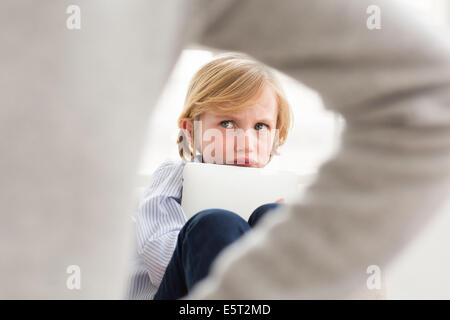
200, 240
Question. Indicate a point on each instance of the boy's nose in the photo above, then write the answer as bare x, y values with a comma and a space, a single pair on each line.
250, 141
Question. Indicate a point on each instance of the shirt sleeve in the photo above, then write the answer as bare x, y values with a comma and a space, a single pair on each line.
391, 173
160, 218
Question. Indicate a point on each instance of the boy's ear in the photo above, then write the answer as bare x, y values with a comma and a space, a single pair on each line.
187, 126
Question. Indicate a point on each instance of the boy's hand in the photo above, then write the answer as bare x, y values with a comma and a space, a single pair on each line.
280, 200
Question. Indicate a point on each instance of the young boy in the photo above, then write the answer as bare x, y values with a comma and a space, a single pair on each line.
231, 96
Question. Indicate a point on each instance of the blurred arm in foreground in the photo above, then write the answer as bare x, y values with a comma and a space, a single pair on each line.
393, 170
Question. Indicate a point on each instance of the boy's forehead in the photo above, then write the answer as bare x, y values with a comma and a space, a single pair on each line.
254, 110
264, 105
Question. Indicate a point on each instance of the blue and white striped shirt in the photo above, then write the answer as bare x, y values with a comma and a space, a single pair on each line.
158, 222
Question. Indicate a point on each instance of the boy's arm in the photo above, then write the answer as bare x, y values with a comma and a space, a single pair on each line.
392, 173
159, 220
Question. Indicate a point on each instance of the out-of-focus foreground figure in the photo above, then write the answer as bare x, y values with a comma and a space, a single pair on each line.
74, 110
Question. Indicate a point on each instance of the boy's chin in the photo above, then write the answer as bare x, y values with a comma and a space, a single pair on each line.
235, 164
246, 165
250, 164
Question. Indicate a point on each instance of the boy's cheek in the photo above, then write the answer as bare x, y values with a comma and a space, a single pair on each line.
261, 153
211, 152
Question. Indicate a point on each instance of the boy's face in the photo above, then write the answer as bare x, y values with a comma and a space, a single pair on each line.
243, 138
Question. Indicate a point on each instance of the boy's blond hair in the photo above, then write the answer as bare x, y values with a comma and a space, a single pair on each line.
230, 83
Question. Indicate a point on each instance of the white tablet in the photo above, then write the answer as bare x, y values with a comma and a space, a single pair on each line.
238, 189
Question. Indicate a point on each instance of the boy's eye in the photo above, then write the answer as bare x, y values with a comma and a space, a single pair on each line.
261, 126
228, 124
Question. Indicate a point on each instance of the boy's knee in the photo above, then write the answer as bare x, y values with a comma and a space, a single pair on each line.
216, 222
268, 206
261, 211
217, 218
213, 227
